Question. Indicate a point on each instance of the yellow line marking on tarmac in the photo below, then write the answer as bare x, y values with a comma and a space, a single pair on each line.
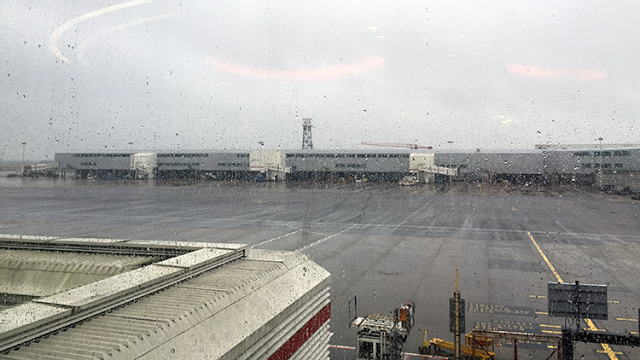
602, 330
613, 302
55, 35
553, 326
551, 332
544, 257
591, 325
542, 313
623, 319
634, 333
532, 296
606, 349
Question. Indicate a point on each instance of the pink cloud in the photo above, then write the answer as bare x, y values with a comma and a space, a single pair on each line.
520, 69
352, 69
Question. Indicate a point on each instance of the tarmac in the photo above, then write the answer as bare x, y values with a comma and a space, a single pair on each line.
384, 243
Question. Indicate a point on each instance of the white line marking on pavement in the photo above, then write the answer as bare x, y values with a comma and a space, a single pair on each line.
324, 239
275, 238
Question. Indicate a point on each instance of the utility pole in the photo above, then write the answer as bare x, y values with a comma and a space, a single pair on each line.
456, 297
601, 164
456, 318
451, 142
601, 155
22, 170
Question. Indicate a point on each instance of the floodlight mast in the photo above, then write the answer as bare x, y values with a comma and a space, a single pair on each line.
307, 142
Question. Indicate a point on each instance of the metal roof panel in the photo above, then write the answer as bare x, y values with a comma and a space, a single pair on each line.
197, 257
28, 315
117, 285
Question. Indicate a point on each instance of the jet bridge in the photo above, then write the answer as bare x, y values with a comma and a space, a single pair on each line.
145, 165
270, 164
424, 169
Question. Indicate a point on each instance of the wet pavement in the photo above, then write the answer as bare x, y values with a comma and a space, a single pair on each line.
384, 243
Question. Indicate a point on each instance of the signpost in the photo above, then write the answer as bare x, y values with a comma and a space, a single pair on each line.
577, 301
452, 315
584, 301
353, 309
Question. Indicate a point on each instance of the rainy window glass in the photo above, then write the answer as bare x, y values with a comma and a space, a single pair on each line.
319, 179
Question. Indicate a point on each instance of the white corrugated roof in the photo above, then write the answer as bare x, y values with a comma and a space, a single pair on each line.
222, 313
44, 273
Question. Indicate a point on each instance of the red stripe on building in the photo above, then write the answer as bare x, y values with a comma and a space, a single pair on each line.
301, 336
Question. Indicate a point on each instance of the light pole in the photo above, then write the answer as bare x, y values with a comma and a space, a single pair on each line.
450, 142
601, 164
23, 145
601, 157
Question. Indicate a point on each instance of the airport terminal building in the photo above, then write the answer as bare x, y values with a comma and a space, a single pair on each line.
543, 163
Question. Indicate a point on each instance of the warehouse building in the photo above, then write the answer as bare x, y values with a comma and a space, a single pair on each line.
125, 299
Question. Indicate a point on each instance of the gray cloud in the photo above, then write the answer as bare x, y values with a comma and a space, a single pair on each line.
447, 74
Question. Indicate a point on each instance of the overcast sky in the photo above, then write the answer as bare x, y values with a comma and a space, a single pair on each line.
99, 75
